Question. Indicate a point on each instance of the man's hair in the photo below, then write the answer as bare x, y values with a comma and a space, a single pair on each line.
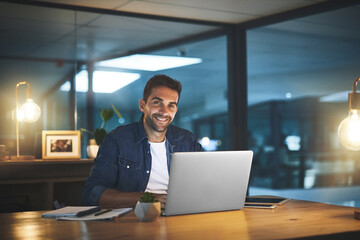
161, 80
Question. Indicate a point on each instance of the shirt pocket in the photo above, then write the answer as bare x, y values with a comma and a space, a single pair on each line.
129, 165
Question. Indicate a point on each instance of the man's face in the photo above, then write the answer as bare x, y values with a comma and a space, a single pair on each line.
160, 108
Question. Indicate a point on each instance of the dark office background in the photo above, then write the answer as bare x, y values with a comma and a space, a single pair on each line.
299, 72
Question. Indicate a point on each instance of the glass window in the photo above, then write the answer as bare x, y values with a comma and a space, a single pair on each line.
34, 48
203, 98
48, 47
299, 74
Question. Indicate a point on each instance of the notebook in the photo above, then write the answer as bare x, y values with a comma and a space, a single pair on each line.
108, 215
71, 211
207, 181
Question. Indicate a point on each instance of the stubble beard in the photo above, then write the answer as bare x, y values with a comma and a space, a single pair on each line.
151, 122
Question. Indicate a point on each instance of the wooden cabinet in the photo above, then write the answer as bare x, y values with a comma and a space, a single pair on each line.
36, 184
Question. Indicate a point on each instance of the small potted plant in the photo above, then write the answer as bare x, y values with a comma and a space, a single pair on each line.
99, 133
147, 209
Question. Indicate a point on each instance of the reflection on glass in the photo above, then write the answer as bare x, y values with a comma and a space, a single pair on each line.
293, 143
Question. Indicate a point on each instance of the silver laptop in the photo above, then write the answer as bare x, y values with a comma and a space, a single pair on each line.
207, 181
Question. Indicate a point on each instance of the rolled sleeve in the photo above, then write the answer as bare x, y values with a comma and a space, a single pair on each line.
94, 195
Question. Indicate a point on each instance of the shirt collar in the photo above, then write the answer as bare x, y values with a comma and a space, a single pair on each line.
141, 131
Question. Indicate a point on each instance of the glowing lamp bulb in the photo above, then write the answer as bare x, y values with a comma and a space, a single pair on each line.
29, 111
349, 131
349, 128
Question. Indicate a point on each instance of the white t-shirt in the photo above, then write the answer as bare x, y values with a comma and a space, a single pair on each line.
159, 175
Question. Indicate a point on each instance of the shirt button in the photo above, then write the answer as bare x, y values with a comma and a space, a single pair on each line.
147, 171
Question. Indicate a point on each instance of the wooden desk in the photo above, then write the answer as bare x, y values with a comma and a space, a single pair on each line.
43, 181
295, 219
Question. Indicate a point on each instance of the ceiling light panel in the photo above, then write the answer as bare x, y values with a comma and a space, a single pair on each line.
103, 81
149, 62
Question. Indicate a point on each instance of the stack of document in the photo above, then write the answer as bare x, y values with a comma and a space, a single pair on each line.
88, 213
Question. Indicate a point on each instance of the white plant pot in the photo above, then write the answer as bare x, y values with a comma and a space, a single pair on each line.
92, 149
147, 212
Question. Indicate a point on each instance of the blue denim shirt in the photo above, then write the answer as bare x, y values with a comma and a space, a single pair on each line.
123, 161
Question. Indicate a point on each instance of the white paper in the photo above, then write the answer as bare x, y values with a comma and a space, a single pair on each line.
105, 216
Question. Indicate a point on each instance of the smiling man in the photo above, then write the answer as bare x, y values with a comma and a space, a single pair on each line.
136, 158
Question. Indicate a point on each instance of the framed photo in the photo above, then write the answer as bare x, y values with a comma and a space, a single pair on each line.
61, 145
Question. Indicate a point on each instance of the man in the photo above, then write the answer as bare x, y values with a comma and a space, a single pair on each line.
136, 158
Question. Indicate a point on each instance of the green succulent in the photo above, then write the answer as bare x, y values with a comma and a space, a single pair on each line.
148, 197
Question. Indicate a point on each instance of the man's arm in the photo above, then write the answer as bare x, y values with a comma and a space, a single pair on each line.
112, 198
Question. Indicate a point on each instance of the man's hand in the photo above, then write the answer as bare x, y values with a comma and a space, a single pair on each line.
161, 198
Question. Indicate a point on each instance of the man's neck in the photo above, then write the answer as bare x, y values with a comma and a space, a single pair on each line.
153, 135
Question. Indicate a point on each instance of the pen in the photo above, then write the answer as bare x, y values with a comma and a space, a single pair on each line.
102, 212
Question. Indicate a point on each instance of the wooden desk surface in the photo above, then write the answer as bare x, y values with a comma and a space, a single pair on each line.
295, 219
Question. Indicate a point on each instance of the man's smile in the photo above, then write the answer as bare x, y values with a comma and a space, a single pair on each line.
161, 118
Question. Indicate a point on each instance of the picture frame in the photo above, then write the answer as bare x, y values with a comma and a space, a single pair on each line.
61, 144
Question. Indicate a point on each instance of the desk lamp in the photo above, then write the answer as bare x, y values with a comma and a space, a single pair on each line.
349, 128
28, 112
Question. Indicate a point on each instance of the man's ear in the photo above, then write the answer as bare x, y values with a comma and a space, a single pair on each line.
141, 105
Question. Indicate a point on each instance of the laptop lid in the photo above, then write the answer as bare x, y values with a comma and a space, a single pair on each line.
207, 181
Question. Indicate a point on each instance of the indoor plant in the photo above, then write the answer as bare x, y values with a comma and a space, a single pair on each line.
99, 133
147, 209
